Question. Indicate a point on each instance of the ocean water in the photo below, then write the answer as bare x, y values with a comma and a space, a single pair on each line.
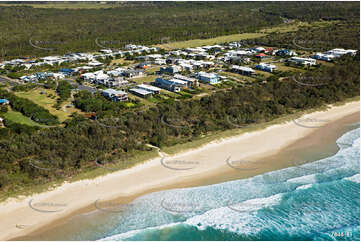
315, 201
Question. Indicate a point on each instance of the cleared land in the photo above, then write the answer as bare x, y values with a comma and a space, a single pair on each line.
283, 28
141, 80
121, 61
45, 101
18, 117
211, 41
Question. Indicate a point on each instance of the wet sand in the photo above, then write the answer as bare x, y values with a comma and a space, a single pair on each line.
277, 147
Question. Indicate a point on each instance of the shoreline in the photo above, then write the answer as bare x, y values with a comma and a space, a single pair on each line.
152, 176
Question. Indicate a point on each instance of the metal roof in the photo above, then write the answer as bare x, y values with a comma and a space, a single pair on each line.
140, 91
149, 87
114, 92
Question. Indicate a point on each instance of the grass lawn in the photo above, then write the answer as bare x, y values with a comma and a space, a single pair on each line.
325, 63
18, 117
265, 73
283, 28
169, 93
282, 67
142, 100
152, 69
211, 41
238, 76
121, 61
141, 80
129, 105
47, 102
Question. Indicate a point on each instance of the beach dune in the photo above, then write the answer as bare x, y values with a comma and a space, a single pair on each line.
22, 216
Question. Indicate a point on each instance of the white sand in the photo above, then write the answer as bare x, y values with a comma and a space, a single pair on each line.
71, 197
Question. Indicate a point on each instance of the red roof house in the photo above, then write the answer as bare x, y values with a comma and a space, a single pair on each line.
261, 55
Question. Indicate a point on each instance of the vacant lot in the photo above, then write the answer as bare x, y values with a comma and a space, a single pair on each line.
212, 41
18, 117
121, 61
141, 80
45, 101
283, 28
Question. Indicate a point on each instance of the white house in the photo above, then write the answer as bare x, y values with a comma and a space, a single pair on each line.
89, 77
191, 82
210, 78
106, 51
325, 57
51, 60
159, 61
266, 67
58, 76
149, 88
303, 61
340, 52
115, 95
259, 49
95, 63
244, 70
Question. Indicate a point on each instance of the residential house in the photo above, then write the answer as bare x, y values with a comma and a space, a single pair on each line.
261, 55
31, 78
66, 71
95, 64
238, 53
115, 95
210, 78
173, 84
57, 76
51, 60
101, 77
269, 50
285, 52
170, 69
82, 69
154, 56
44, 75
186, 67
243, 70
115, 82
4, 102
259, 49
303, 61
140, 92
340, 52
266, 67
159, 61
149, 88
324, 57
89, 77
117, 72
134, 73
144, 65
171, 60
106, 51
191, 82
142, 58
234, 45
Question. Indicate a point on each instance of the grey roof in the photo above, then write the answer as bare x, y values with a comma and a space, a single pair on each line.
140, 91
243, 68
149, 87
114, 92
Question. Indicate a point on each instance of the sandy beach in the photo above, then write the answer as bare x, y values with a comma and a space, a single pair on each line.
238, 156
